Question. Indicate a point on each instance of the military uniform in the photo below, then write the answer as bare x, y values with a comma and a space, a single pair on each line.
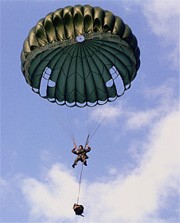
81, 155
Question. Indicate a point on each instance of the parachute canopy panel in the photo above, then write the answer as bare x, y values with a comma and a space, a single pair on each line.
77, 55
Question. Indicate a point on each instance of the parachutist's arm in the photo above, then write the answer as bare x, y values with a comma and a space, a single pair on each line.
75, 147
74, 151
88, 149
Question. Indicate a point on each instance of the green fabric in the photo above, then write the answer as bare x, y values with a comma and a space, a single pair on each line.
74, 49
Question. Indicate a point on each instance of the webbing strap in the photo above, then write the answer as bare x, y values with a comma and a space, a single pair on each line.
87, 140
80, 177
80, 183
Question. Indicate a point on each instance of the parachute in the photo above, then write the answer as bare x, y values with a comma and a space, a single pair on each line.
80, 56
77, 56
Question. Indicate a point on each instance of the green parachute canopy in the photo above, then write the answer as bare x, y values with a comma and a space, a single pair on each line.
78, 56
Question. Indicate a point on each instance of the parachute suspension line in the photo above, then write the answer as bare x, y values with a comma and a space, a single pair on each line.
87, 140
99, 123
88, 120
73, 140
69, 124
65, 122
79, 190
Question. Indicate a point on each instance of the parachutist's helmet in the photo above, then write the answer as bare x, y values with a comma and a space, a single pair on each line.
80, 147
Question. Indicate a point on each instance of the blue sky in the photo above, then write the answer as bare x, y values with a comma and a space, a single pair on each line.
133, 169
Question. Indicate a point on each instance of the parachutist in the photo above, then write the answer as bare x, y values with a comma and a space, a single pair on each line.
78, 209
81, 154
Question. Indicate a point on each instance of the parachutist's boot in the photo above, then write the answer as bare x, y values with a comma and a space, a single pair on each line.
85, 163
73, 166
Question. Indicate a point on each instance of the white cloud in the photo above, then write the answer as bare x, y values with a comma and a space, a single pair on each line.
106, 113
163, 100
138, 195
3, 183
163, 17
160, 102
140, 119
132, 198
134, 119
53, 198
4, 188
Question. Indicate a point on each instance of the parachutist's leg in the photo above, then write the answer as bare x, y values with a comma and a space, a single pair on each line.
75, 162
85, 163
84, 160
